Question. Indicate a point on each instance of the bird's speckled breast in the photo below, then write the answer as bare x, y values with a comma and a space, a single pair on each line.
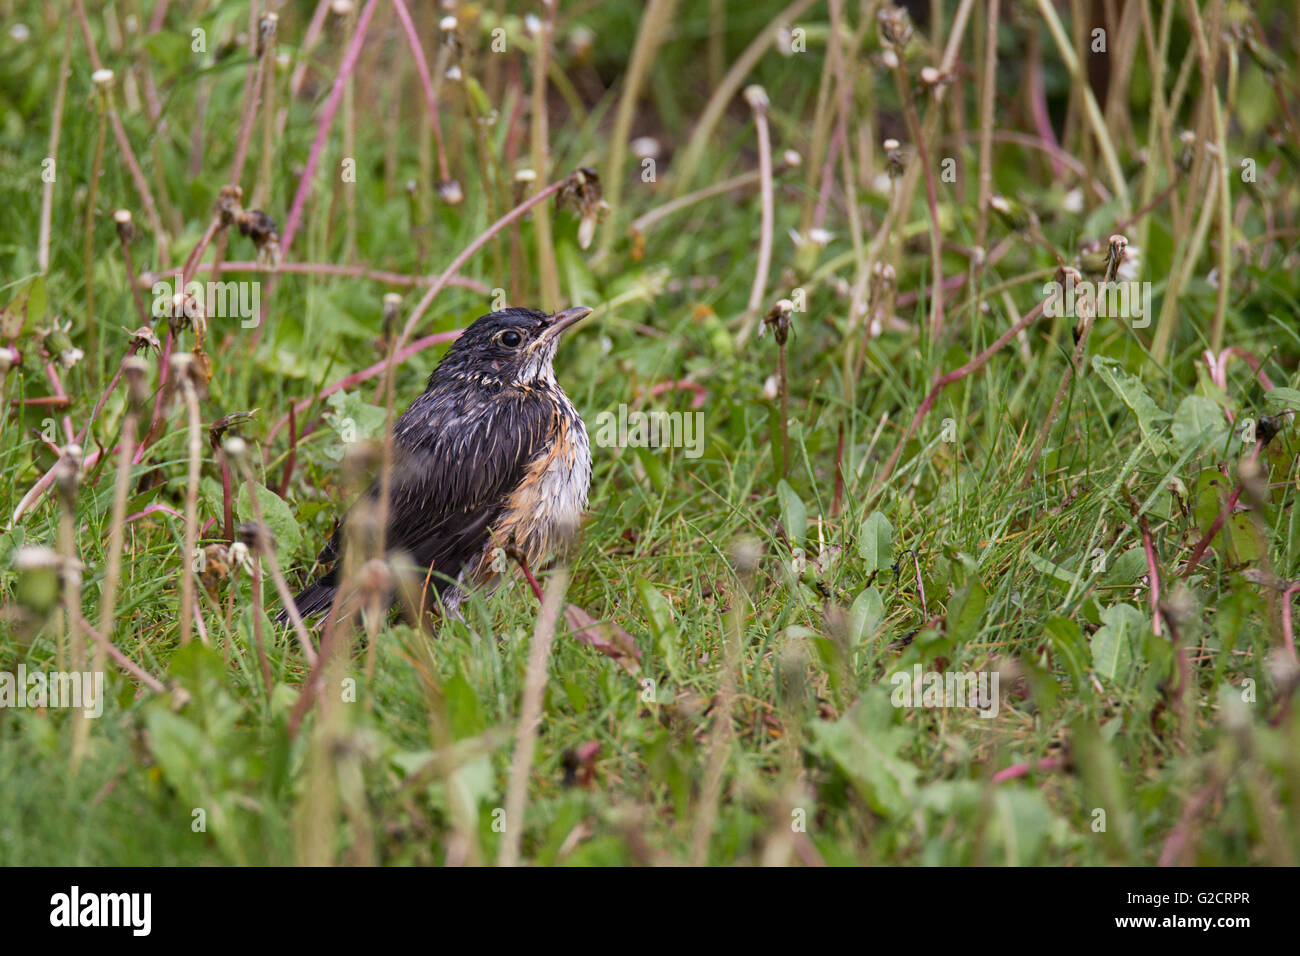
545, 511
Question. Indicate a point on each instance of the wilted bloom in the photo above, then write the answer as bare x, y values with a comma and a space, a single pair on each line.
449, 191
240, 557
582, 193
125, 227
143, 338
582, 40
895, 26
778, 317
894, 158
931, 76
1188, 139
266, 31
261, 228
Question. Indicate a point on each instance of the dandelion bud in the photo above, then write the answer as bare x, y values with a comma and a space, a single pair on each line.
266, 31
125, 227
449, 191
756, 97
582, 40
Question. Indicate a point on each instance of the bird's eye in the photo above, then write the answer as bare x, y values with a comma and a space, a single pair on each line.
510, 338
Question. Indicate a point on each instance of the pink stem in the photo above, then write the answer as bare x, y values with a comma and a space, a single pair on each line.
1153, 576
323, 127
422, 68
1022, 769
1288, 635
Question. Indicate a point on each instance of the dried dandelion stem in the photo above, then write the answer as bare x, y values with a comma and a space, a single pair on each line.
323, 126
658, 13
119, 134
191, 396
56, 128
530, 715
426, 83
135, 373
723, 93
265, 550
1091, 111
757, 100
539, 149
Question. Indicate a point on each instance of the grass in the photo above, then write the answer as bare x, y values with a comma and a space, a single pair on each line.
1126, 580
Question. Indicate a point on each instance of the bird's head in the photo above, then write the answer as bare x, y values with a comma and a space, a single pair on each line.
510, 347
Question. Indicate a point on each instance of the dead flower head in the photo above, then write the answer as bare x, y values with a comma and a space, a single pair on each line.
254, 223
778, 318
261, 228
583, 194
141, 339
895, 25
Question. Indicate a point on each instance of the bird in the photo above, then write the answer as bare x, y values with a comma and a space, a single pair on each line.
491, 459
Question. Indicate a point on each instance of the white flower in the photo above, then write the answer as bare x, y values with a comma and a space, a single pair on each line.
1132, 264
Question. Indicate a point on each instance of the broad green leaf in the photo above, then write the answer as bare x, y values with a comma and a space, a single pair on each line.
876, 542
794, 516
1114, 646
865, 615
1283, 398
865, 745
278, 518
1043, 566
1070, 649
965, 610
1134, 394
1198, 423
659, 613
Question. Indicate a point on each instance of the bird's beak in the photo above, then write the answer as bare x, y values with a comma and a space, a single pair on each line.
562, 320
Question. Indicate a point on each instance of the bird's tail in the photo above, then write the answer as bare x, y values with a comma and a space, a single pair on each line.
315, 599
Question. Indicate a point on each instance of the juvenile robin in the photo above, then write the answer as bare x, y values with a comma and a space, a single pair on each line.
492, 455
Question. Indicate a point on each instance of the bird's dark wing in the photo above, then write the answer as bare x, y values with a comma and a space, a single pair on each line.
457, 458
